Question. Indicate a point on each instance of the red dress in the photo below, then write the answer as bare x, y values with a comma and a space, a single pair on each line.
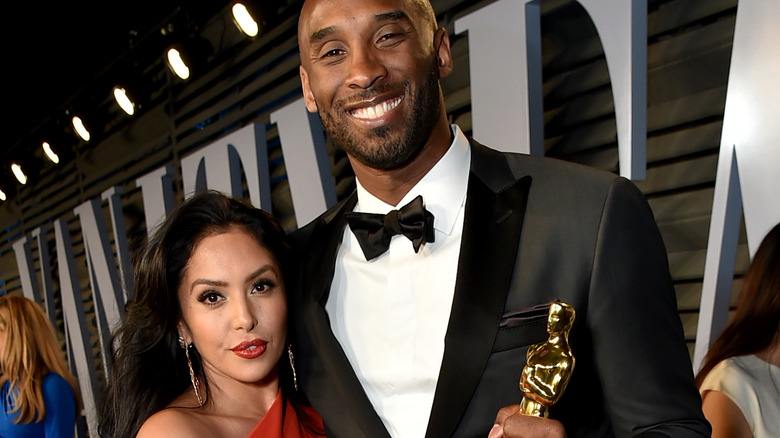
281, 421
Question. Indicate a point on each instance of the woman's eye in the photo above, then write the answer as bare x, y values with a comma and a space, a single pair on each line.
210, 297
262, 286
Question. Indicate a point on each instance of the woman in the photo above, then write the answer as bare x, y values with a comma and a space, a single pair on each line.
740, 377
40, 397
203, 350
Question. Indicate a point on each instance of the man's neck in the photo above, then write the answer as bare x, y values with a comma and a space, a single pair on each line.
392, 185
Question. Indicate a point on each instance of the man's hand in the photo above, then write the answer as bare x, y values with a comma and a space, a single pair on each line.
510, 423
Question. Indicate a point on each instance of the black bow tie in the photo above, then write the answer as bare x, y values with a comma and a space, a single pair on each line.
374, 231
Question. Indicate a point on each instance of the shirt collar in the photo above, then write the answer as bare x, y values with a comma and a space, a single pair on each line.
443, 188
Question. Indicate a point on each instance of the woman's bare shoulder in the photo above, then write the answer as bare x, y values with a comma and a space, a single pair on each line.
724, 415
174, 422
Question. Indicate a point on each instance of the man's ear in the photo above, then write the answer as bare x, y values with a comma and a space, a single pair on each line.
443, 52
308, 96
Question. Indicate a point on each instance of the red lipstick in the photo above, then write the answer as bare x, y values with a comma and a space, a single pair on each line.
250, 349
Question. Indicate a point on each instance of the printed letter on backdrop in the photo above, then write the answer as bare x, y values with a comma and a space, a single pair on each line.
114, 198
748, 163
157, 190
306, 160
78, 343
103, 273
24, 261
622, 28
505, 62
219, 165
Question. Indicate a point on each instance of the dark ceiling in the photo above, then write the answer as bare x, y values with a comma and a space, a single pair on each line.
53, 52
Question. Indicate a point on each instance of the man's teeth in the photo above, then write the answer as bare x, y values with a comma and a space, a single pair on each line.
376, 111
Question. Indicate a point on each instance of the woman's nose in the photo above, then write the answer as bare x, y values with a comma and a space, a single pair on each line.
244, 318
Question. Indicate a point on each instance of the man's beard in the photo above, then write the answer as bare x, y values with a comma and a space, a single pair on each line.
389, 146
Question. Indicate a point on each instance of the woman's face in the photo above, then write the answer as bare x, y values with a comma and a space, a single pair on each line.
234, 309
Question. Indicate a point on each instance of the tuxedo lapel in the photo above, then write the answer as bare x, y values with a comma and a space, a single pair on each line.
328, 374
495, 207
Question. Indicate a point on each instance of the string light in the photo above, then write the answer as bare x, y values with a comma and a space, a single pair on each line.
81, 130
177, 58
177, 63
50, 154
19, 173
244, 20
127, 105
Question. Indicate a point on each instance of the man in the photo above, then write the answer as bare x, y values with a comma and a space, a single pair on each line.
429, 338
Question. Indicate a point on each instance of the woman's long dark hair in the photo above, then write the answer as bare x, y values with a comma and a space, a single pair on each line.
149, 369
756, 321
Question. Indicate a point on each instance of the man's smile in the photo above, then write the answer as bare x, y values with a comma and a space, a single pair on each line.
375, 112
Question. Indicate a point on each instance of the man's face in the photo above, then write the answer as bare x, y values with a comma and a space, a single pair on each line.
370, 68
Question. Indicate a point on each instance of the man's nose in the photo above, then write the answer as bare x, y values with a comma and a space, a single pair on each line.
365, 68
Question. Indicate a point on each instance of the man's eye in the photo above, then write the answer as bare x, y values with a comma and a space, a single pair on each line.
331, 53
390, 39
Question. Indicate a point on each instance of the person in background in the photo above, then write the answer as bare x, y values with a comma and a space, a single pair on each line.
740, 377
39, 395
420, 293
202, 350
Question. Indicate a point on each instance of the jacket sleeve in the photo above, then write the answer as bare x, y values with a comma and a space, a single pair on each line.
638, 343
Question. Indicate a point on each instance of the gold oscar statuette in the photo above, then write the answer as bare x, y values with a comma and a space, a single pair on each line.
548, 364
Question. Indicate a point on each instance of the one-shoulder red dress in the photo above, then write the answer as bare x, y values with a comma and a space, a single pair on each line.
281, 421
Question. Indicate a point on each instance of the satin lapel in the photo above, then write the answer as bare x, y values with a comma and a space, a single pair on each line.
493, 219
330, 376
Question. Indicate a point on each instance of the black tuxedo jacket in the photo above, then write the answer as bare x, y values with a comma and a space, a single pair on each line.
536, 230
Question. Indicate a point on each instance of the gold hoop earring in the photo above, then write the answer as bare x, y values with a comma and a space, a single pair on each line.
193, 378
292, 366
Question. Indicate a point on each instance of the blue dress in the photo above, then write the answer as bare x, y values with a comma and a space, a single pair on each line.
60, 420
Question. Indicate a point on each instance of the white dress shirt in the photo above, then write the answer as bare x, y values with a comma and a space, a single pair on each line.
391, 314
